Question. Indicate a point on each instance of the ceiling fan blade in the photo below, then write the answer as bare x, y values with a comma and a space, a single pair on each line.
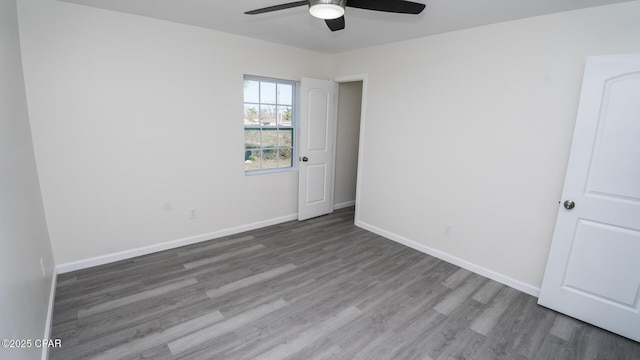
277, 7
394, 6
335, 24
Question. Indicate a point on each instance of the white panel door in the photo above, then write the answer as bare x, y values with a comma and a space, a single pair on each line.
593, 270
317, 143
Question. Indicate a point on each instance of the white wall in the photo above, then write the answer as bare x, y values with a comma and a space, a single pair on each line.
136, 120
24, 240
474, 128
348, 132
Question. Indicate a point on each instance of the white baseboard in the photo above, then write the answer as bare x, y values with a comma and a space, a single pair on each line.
49, 322
343, 205
127, 254
516, 284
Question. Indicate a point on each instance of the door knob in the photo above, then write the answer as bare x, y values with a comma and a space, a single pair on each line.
569, 204
305, 159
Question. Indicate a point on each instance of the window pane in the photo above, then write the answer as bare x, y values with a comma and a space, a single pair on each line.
251, 91
267, 92
284, 157
251, 139
284, 115
268, 115
285, 94
269, 158
252, 160
285, 137
269, 138
250, 114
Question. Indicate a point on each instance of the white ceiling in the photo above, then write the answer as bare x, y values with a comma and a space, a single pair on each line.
364, 28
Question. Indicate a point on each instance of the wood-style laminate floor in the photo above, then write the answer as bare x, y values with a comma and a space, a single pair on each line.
318, 289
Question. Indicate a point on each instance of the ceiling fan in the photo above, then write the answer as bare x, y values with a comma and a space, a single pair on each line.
332, 11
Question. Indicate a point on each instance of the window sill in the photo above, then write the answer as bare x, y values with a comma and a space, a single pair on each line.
270, 171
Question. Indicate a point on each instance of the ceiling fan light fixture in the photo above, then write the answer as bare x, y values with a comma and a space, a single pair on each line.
327, 9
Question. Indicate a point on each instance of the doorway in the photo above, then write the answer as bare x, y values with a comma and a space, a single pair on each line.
347, 143
331, 125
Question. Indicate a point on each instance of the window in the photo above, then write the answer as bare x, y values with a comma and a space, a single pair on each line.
269, 108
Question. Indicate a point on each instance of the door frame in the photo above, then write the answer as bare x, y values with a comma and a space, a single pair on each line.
363, 106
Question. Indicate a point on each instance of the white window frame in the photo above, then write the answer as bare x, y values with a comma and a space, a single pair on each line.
293, 127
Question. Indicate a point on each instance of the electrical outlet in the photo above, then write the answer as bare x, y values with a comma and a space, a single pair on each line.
42, 267
193, 213
446, 229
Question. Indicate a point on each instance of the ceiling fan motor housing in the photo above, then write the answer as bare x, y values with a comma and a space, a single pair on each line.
327, 9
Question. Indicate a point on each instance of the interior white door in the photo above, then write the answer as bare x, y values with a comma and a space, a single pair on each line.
593, 270
316, 139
